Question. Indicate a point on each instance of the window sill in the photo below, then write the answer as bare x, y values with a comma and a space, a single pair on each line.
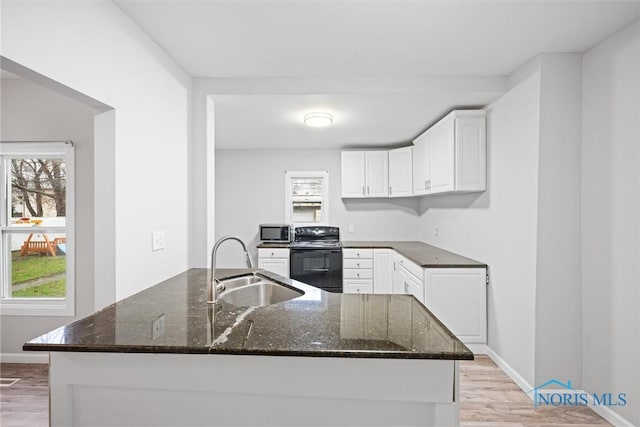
47, 307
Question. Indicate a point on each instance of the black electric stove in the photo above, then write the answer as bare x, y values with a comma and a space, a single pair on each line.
316, 257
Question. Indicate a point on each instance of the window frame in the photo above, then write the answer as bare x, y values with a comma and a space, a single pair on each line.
64, 306
288, 197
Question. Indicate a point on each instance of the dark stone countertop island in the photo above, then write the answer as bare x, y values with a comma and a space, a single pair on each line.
173, 317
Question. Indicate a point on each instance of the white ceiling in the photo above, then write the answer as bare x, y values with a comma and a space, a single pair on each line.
302, 38
360, 120
330, 39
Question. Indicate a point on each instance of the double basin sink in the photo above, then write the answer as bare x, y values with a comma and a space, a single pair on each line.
254, 290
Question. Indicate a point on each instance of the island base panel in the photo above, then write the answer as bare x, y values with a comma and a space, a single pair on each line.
109, 389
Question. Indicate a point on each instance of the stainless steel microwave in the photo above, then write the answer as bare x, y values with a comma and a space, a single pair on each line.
275, 232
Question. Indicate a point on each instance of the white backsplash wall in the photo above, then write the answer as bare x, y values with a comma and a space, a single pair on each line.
250, 191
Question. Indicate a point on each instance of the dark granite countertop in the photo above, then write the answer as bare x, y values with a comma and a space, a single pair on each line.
316, 324
425, 255
274, 245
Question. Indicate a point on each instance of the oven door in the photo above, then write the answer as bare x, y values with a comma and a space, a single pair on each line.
321, 268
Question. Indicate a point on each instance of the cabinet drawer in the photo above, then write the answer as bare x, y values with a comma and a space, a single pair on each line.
357, 274
273, 253
357, 253
411, 266
358, 263
358, 287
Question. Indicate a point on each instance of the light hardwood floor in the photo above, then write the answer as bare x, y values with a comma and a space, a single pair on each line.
488, 399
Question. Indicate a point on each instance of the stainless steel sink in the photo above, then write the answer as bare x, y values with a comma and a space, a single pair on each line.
237, 282
256, 292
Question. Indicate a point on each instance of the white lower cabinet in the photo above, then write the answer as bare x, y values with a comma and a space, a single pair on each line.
357, 271
383, 269
355, 286
410, 284
275, 260
458, 297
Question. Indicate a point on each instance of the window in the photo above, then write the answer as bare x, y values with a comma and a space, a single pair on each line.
306, 198
36, 228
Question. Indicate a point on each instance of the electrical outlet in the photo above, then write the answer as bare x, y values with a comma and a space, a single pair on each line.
351, 229
157, 240
157, 327
436, 232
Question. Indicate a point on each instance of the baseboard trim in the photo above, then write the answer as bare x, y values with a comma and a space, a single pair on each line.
613, 417
477, 348
24, 357
511, 373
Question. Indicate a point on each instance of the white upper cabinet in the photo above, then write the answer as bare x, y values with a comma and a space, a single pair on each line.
365, 174
353, 178
421, 160
400, 176
471, 152
377, 173
441, 147
451, 155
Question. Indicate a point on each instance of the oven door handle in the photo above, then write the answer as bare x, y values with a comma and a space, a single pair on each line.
318, 269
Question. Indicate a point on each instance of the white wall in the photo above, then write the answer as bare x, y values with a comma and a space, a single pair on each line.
558, 277
31, 112
94, 48
250, 191
499, 225
610, 218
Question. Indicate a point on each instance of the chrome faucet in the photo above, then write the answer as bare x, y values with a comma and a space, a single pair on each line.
214, 289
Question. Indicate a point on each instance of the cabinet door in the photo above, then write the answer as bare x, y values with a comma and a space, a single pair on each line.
458, 297
415, 287
400, 172
420, 160
397, 286
377, 173
276, 265
441, 147
471, 154
383, 271
353, 174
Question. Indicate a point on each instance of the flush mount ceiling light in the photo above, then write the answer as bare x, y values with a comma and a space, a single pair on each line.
318, 119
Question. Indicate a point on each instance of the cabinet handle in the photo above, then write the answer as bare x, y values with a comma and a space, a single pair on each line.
425, 184
406, 288
358, 274
368, 190
394, 266
363, 193
272, 254
358, 264
390, 190
358, 290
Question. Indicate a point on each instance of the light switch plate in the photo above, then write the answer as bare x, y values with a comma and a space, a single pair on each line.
157, 240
